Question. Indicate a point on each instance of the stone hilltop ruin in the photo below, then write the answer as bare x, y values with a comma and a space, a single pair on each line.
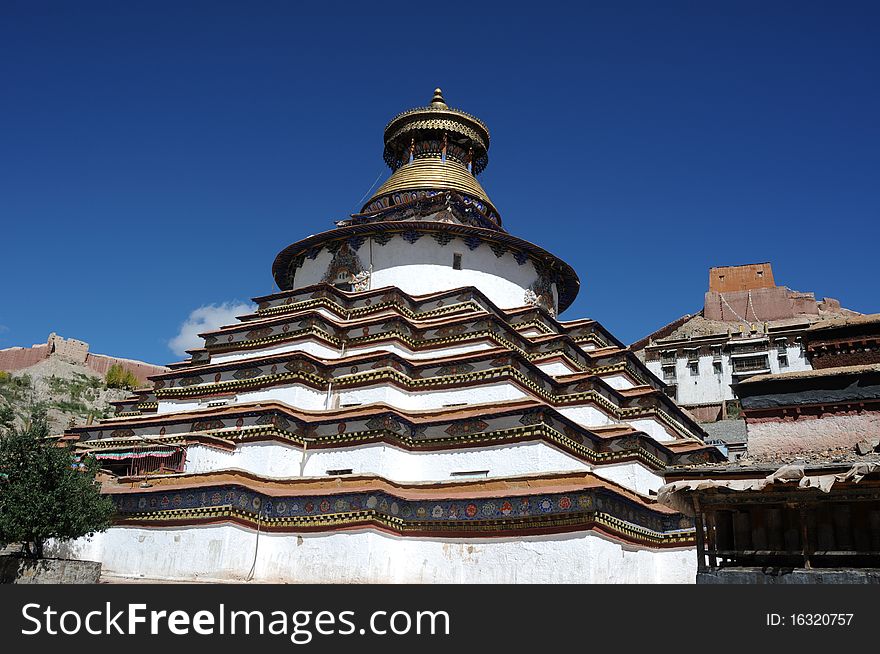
74, 351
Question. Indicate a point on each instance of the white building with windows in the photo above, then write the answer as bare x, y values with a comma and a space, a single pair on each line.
702, 357
702, 370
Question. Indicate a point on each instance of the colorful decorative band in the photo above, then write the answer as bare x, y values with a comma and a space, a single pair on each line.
452, 517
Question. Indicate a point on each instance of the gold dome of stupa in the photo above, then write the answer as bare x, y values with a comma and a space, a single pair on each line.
434, 148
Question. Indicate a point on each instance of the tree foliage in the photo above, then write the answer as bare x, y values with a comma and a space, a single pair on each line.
119, 377
7, 416
46, 490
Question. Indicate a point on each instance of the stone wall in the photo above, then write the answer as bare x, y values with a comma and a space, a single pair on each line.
68, 348
794, 436
759, 305
19, 358
75, 351
789, 576
100, 364
20, 570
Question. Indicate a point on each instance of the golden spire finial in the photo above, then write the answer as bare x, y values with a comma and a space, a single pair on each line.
437, 100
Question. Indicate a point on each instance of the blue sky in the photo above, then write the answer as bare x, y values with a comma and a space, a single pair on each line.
155, 156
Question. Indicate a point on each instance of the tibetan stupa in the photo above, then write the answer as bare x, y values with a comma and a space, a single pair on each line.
407, 407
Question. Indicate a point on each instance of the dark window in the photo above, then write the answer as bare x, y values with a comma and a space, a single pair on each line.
751, 364
456, 261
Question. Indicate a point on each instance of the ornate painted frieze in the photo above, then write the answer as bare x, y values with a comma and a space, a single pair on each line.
594, 508
274, 419
345, 266
361, 281
466, 427
540, 293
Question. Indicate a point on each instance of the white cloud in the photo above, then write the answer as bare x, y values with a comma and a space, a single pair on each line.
205, 319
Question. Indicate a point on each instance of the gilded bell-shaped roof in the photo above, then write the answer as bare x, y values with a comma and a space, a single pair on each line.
434, 148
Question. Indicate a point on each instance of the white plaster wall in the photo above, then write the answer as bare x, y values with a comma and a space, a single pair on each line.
655, 429
796, 360
406, 353
425, 267
633, 476
314, 348
587, 415
280, 461
326, 352
488, 394
619, 381
308, 399
556, 368
294, 395
227, 552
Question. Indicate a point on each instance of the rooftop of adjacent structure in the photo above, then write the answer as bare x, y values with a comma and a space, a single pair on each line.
819, 373
731, 431
836, 460
846, 321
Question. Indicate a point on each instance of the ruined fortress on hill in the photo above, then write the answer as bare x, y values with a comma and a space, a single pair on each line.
74, 351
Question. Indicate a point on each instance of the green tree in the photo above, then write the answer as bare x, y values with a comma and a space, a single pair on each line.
7, 416
119, 377
46, 490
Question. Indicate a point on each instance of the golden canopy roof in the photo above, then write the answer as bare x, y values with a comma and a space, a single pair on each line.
434, 148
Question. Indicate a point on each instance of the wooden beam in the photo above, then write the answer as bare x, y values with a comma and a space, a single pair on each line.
701, 543
805, 536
